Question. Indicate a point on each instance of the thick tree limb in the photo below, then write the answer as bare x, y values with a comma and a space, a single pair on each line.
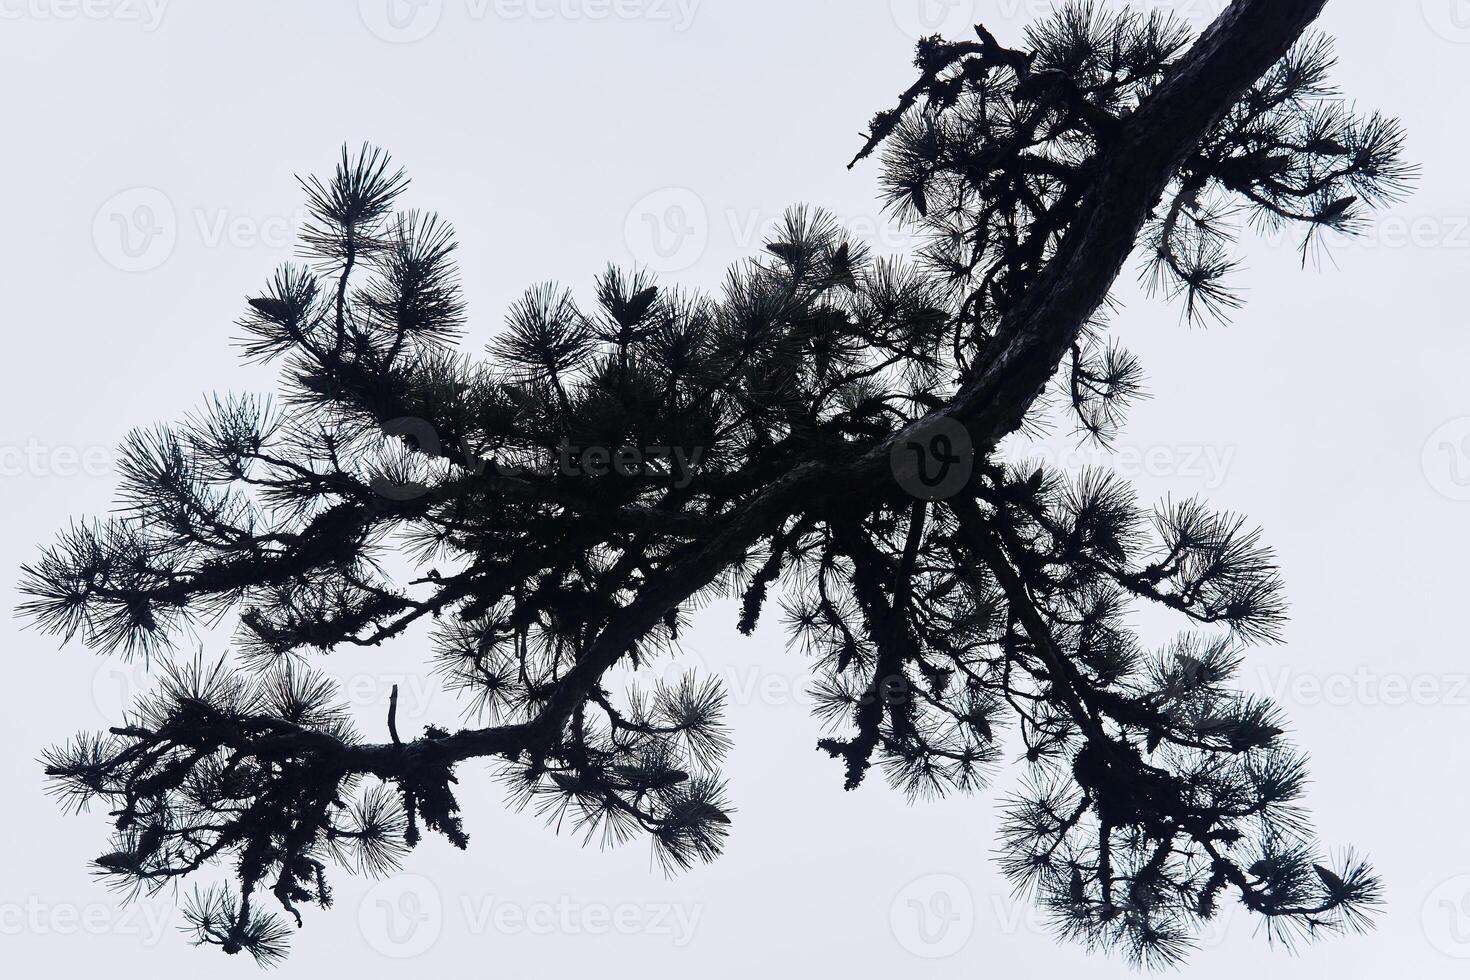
1131, 172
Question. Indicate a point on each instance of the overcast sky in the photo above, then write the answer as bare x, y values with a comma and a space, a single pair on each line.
148, 181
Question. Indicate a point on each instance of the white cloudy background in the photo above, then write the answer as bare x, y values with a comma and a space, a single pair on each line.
148, 188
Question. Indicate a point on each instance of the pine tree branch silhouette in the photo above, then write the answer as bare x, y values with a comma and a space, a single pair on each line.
812, 391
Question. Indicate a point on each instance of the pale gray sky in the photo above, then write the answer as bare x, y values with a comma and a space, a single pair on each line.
149, 189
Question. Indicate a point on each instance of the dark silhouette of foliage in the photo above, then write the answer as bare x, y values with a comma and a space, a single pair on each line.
944, 632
